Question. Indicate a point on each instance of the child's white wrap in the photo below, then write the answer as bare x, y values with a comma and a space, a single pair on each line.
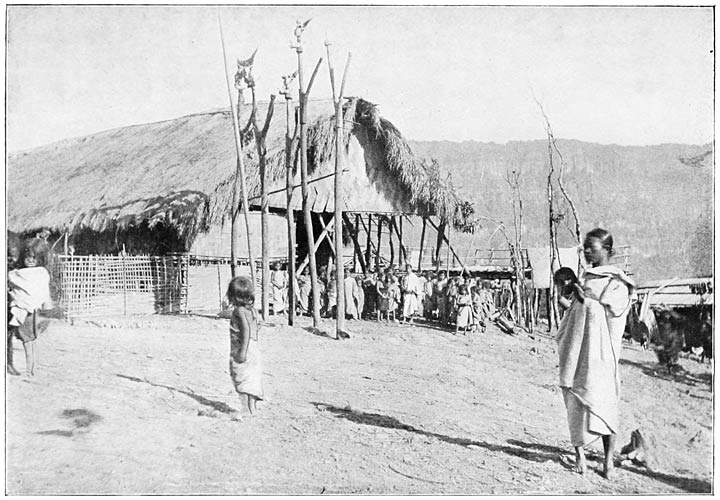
29, 290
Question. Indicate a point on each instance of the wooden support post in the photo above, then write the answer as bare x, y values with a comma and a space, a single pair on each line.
379, 238
391, 224
290, 144
239, 176
304, 93
442, 237
370, 244
403, 254
422, 243
339, 139
356, 243
448, 249
260, 135
438, 242
356, 255
368, 234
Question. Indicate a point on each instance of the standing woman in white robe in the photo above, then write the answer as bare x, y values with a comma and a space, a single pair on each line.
278, 284
589, 342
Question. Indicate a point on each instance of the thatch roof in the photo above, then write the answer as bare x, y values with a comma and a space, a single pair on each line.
181, 172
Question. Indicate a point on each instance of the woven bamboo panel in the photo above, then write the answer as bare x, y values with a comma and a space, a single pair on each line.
92, 286
96, 286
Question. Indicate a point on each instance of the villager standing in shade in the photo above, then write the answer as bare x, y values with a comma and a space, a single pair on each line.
304, 291
589, 342
360, 279
245, 361
278, 283
351, 295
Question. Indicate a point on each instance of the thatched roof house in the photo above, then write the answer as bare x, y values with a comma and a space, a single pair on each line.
179, 173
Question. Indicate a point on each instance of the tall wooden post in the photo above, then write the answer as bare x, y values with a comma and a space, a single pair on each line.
260, 135
422, 243
339, 140
290, 142
304, 93
239, 175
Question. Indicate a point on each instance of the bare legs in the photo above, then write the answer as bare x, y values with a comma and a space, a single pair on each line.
10, 368
608, 464
580, 462
252, 404
29, 347
609, 448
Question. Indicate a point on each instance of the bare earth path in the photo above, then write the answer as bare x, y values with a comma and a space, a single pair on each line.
396, 409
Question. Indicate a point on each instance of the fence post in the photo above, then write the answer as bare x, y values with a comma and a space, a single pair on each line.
124, 271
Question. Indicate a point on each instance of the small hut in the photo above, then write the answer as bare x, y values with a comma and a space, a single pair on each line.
161, 193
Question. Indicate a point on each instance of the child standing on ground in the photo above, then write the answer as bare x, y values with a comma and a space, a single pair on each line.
29, 290
394, 295
245, 361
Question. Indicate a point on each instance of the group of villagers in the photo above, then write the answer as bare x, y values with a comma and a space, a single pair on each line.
589, 336
464, 302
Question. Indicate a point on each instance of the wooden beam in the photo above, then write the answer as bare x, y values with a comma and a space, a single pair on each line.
326, 230
446, 240
323, 235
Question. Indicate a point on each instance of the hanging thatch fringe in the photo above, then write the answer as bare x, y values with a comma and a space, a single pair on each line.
190, 159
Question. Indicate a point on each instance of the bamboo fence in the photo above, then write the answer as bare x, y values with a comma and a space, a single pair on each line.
93, 286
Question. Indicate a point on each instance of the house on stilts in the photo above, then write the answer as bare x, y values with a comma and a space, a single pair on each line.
139, 216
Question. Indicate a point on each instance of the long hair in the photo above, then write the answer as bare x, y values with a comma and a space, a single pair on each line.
40, 250
14, 250
241, 292
604, 237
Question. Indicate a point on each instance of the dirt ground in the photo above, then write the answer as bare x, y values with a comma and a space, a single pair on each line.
146, 406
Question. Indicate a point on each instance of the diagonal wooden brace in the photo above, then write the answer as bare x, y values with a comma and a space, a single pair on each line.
323, 235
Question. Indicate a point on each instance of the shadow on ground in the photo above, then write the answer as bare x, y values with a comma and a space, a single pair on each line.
82, 420
318, 332
657, 370
527, 451
688, 484
215, 405
534, 452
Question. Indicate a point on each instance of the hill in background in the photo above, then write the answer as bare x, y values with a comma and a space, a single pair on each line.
657, 199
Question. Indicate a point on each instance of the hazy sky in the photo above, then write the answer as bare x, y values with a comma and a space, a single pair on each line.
604, 74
